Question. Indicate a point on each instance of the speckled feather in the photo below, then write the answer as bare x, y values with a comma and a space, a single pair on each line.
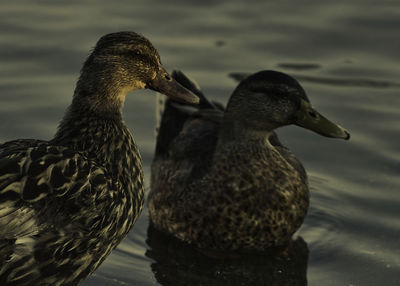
249, 194
57, 203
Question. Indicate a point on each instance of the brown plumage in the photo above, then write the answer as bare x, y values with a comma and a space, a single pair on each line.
221, 179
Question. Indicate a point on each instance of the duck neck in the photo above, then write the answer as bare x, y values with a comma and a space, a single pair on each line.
96, 93
235, 131
99, 132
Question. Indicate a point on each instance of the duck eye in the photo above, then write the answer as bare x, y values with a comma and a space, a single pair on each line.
168, 77
313, 114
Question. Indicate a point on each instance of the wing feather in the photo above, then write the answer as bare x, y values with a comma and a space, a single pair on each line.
50, 197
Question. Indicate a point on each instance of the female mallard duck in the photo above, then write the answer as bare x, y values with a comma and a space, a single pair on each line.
221, 179
66, 203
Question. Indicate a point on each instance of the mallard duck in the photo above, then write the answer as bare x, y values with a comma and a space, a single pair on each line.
221, 179
65, 204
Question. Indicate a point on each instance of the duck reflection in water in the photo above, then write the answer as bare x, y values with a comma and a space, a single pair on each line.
178, 263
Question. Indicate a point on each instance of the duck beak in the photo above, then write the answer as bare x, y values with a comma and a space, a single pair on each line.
165, 84
309, 118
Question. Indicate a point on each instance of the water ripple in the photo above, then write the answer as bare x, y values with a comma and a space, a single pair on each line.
299, 66
325, 218
343, 82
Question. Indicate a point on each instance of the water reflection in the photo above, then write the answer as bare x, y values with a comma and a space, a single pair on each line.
176, 263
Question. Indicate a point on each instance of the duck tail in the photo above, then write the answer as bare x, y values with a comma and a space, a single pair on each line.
171, 115
193, 86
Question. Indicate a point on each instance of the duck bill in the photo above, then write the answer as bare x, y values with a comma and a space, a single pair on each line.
165, 84
311, 119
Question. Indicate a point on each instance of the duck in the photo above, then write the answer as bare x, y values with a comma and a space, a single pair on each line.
66, 203
221, 179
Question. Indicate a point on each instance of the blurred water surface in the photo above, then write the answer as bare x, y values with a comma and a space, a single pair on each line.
344, 53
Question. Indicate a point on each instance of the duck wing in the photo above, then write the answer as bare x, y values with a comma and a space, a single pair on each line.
173, 116
187, 135
53, 202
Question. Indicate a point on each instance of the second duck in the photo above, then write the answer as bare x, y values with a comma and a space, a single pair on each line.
220, 177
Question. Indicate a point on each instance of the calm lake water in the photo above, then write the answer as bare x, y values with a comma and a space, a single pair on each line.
344, 53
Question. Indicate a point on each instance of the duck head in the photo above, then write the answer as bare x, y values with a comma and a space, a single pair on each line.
122, 62
268, 99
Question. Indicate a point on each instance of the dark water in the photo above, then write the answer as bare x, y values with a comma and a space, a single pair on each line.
344, 53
